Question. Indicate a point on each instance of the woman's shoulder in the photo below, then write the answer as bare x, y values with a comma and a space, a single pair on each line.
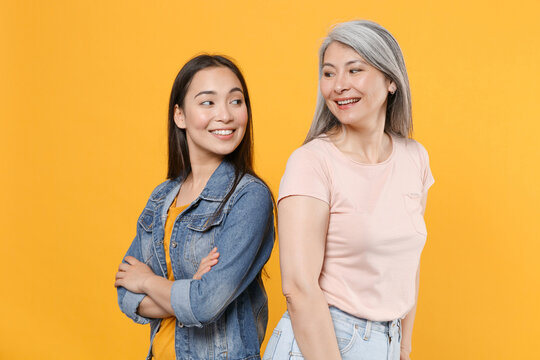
252, 185
316, 150
309, 171
163, 189
411, 146
310, 161
319, 145
251, 194
413, 150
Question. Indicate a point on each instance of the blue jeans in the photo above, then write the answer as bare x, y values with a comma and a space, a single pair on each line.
358, 339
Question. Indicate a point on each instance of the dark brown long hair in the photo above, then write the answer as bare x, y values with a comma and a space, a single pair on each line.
241, 158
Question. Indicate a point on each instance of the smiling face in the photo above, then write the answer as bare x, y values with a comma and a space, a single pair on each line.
354, 91
213, 114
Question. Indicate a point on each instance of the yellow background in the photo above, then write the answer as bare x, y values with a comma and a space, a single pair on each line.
83, 103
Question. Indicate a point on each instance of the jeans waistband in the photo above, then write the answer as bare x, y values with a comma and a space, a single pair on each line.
381, 326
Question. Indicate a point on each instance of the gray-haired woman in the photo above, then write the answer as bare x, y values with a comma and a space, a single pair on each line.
351, 205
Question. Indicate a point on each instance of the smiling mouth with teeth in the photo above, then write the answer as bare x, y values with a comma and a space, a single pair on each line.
222, 132
348, 101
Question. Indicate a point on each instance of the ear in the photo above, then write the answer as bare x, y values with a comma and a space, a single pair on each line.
392, 87
179, 117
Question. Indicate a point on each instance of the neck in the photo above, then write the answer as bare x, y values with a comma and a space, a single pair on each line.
193, 185
201, 170
364, 143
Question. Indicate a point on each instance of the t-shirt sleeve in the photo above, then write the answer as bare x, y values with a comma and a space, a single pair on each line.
305, 175
427, 177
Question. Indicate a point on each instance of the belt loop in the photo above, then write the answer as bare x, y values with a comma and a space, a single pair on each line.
367, 332
394, 328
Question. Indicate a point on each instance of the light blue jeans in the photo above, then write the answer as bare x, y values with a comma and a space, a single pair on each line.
358, 339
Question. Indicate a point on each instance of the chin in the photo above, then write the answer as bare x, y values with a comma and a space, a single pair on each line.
225, 151
347, 120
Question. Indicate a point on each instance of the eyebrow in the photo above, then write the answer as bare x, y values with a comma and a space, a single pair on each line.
212, 92
347, 63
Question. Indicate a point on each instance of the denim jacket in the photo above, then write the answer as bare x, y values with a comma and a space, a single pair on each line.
223, 315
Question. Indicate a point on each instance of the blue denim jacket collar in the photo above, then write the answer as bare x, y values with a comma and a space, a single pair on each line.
217, 187
220, 183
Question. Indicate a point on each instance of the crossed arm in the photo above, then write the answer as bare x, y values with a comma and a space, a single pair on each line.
137, 277
243, 253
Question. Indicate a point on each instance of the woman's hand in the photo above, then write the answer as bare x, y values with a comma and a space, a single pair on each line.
132, 275
206, 264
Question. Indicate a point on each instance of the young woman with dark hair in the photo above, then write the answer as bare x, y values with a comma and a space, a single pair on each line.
212, 205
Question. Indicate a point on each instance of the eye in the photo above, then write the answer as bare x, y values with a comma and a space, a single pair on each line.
354, 71
207, 103
237, 102
328, 74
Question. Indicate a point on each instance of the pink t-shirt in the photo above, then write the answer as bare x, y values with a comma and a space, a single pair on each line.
376, 228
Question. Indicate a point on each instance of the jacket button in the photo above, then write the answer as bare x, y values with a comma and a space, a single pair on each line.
173, 244
180, 324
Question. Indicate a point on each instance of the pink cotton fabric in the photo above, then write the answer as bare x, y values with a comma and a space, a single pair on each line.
376, 229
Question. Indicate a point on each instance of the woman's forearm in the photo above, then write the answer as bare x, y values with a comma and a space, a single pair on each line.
408, 322
406, 331
159, 290
312, 325
150, 309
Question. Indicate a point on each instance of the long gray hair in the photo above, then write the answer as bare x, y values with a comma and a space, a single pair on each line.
379, 48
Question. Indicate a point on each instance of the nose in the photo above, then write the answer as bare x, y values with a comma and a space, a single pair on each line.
224, 113
341, 83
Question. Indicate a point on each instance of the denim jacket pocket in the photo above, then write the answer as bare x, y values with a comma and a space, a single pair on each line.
203, 223
146, 223
146, 220
201, 239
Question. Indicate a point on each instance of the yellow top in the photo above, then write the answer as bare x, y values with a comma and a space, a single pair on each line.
163, 346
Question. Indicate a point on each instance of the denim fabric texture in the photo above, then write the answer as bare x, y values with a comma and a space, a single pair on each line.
358, 339
223, 315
